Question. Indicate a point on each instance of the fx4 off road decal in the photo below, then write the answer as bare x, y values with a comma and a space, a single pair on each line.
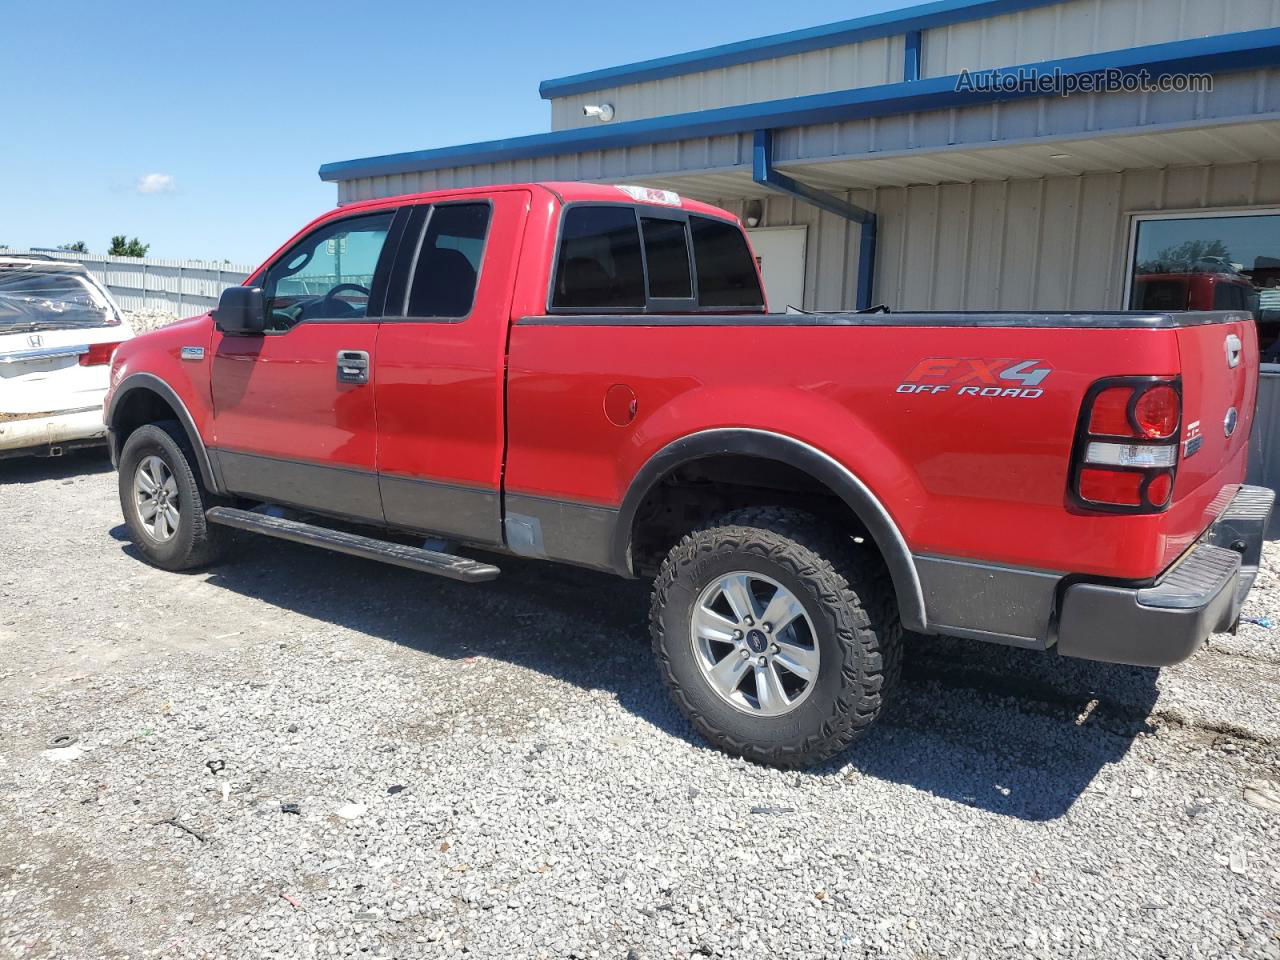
976, 377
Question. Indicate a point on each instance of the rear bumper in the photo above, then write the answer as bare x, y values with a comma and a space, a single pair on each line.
45, 434
1158, 624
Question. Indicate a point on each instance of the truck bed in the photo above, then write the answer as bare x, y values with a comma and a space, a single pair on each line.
965, 474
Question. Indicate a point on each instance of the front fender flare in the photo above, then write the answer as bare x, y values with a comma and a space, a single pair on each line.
152, 383
821, 467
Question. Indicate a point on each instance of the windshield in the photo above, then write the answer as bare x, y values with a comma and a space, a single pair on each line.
32, 300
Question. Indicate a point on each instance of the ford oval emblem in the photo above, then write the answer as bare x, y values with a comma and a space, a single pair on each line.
1229, 422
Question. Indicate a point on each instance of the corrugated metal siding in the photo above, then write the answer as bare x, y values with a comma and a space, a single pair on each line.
1085, 26
1056, 243
1067, 29
835, 68
704, 156
1051, 243
1245, 95
1021, 139
186, 288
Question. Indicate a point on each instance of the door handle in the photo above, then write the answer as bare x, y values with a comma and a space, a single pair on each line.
1233, 347
353, 366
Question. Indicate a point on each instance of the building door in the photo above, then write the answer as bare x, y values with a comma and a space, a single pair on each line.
781, 252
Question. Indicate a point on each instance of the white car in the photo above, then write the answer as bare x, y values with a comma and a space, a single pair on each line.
58, 329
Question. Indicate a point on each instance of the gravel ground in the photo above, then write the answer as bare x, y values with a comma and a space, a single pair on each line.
495, 771
144, 321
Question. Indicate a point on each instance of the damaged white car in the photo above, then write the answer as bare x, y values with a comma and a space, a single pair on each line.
58, 329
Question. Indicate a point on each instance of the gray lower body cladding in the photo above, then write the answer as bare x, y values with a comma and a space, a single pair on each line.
577, 533
1148, 624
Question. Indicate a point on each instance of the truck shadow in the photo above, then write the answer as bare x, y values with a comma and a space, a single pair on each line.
1013, 732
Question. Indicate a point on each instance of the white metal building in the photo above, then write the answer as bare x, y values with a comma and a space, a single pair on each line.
875, 171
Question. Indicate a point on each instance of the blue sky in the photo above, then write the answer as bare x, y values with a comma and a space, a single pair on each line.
199, 127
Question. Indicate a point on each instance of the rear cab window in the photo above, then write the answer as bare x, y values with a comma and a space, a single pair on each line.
666, 252
619, 258
1230, 296
599, 266
726, 272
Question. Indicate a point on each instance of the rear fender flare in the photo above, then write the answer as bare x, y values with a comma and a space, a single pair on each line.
153, 384
821, 467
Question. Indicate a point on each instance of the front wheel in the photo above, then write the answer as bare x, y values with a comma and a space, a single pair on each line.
164, 501
775, 637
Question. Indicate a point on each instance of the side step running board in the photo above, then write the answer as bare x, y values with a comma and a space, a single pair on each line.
413, 558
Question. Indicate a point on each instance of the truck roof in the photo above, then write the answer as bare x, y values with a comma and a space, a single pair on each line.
566, 192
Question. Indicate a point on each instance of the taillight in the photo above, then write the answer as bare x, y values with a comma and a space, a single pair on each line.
1156, 411
98, 354
1126, 450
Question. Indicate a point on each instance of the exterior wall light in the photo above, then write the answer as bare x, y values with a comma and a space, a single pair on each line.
602, 112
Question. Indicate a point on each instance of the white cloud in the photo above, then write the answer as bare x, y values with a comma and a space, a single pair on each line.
156, 183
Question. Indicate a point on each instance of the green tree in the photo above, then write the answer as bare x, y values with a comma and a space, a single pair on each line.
77, 247
122, 247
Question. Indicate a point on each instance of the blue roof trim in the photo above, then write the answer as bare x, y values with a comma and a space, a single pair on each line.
1225, 53
937, 14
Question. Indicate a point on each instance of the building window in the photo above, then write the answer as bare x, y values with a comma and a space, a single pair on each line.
1218, 261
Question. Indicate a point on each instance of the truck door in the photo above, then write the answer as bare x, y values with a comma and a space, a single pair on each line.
440, 366
293, 408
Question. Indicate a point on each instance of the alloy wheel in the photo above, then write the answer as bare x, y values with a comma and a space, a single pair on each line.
155, 492
755, 644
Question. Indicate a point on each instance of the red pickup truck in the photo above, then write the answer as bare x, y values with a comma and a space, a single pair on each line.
589, 374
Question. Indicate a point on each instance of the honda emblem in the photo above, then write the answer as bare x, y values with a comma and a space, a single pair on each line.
35, 340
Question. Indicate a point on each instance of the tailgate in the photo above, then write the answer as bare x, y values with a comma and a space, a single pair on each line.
1219, 360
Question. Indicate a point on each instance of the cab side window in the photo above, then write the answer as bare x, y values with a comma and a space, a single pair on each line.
328, 274
447, 264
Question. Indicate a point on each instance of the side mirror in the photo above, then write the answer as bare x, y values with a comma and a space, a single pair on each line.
241, 310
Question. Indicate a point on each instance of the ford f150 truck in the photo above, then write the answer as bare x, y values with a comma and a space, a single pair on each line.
589, 374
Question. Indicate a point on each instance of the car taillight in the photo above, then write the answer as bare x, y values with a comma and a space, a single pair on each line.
98, 354
1126, 450
1156, 411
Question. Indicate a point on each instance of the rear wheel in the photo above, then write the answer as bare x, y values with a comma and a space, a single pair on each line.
164, 500
776, 638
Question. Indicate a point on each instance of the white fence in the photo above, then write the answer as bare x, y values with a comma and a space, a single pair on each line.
182, 287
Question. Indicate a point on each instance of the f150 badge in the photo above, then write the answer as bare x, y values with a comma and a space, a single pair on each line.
976, 377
